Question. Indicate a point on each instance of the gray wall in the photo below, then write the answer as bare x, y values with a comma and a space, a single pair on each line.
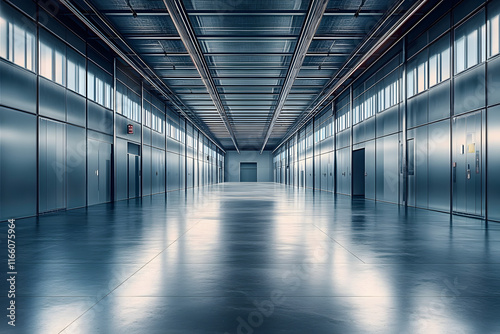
264, 165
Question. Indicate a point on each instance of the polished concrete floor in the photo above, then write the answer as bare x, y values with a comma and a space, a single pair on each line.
254, 258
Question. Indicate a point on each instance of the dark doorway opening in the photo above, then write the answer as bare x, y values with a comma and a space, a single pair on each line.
358, 173
248, 172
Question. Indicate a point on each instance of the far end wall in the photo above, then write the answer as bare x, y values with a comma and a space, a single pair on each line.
264, 165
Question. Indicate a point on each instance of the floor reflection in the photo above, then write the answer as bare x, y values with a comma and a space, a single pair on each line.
256, 258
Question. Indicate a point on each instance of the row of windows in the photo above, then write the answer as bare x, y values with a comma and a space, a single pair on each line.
128, 102
17, 39
155, 118
324, 131
378, 98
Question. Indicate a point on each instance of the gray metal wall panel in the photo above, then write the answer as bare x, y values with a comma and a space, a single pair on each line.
155, 175
121, 129
92, 172
387, 182
470, 90
121, 176
439, 166
417, 110
493, 86
105, 172
17, 87
18, 164
493, 163
174, 146
388, 121
439, 101
344, 171
146, 170
52, 100
182, 171
317, 172
99, 136
309, 173
324, 171
190, 172
359, 133
158, 140
172, 171
370, 169
421, 174
99, 118
76, 167
343, 139
147, 136
52, 166
75, 109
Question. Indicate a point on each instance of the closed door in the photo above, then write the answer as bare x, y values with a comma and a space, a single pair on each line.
466, 168
248, 172
330, 171
99, 172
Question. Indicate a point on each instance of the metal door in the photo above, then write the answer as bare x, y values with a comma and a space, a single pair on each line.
466, 168
93, 172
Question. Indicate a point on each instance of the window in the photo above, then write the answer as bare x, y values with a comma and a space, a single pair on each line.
76, 72
470, 43
417, 80
128, 102
439, 61
52, 58
493, 29
158, 120
17, 38
100, 89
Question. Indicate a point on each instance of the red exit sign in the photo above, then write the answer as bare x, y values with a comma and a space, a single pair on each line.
130, 129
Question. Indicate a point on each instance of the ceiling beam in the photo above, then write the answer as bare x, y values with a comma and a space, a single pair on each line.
161, 12
335, 83
224, 54
141, 67
181, 21
311, 23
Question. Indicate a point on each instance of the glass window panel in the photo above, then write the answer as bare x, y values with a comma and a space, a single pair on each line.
81, 78
3, 37
460, 55
422, 77
472, 48
119, 97
494, 30
494, 36
470, 43
19, 46
445, 64
45, 61
59, 67
434, 72
30, 51
91, 86
72, 75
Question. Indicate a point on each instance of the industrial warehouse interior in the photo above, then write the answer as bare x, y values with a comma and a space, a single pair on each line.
250, 166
